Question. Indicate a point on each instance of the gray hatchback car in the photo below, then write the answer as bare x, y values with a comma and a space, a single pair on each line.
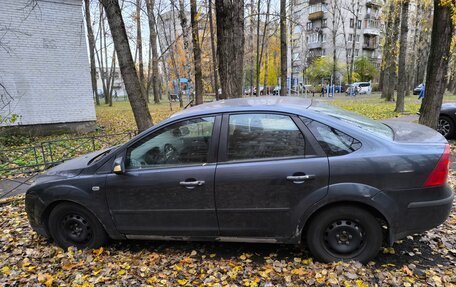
267, 169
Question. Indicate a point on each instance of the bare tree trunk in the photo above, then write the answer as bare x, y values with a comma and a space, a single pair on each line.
344, 34
230, 50
181, 102
437, 70
185, 34
127, 67
214, 52
266, 65
390, 54
112, 73
283, 48
91, 40
260, 47
413, 55
139, 48
257, 64
251, 28
402, 79
153, 44
100, 55
355, 33
452, 78
196, 53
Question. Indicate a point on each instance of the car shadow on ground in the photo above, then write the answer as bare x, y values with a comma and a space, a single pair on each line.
408, 251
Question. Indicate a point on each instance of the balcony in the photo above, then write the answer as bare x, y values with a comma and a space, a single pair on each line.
316, 12
369, 46
372, 27
316, 15
314, 45
374, 3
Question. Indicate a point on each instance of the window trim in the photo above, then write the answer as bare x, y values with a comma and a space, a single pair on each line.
301, 119
310, 148
212, 152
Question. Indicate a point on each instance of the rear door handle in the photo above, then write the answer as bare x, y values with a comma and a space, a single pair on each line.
300, 178
192, 184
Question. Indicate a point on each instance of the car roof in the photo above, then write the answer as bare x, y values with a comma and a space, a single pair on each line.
267, 103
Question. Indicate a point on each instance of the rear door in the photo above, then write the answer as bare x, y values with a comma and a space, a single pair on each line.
268, 174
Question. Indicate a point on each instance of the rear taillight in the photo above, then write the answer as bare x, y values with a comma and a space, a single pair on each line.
439, 175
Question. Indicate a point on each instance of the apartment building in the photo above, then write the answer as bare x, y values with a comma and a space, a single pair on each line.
323, 27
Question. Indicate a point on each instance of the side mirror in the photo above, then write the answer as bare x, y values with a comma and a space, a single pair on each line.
119, 166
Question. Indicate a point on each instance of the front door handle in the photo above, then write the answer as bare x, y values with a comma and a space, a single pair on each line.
192, 184
300, 178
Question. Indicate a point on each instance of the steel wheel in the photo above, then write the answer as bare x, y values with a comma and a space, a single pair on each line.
344, 232
76, 228
344, 237
73, 225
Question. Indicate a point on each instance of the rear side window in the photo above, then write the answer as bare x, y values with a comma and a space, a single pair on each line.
364, 85
333, 141
258, 136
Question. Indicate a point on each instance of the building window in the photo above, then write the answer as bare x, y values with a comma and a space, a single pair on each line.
350, 37
352, 22
356, 52
349, 52
309, 26
313, 38
357, 38
323, 37
359, 24
323, 52
324, 23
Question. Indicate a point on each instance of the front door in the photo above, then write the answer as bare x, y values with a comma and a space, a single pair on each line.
266, 176
168, 186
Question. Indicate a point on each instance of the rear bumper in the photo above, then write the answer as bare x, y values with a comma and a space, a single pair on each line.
421, 210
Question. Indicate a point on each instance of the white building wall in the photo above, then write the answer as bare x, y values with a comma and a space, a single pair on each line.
44, 63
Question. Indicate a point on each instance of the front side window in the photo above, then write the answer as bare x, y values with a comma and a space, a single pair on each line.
259, 136
332, 141
183, 143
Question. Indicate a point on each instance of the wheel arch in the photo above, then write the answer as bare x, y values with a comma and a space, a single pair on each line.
369, 208
48, 209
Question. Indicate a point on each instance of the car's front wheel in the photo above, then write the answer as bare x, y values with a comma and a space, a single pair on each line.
344, 233
446, 127
73, 225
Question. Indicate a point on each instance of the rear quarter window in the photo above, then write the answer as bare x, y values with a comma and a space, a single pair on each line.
331, 140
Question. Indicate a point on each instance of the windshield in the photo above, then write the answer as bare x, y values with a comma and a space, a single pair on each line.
355, 119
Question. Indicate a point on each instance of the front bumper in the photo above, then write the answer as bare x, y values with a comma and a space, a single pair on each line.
34, 208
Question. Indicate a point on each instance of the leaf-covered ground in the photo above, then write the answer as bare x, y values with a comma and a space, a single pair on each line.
26, 259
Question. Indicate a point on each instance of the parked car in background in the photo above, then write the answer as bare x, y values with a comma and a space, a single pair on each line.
263, 169
417, 90
362, 88
447, 120
276, 91
365, 88
352, 90
337, 89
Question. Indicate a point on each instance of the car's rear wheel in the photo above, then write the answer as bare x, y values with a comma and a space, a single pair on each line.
73, 225
344, 233
446, 127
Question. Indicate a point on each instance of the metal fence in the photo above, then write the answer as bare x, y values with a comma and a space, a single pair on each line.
39, 157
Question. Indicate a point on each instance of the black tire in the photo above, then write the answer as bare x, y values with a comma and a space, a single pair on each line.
73, 225
330, 232
446, 127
